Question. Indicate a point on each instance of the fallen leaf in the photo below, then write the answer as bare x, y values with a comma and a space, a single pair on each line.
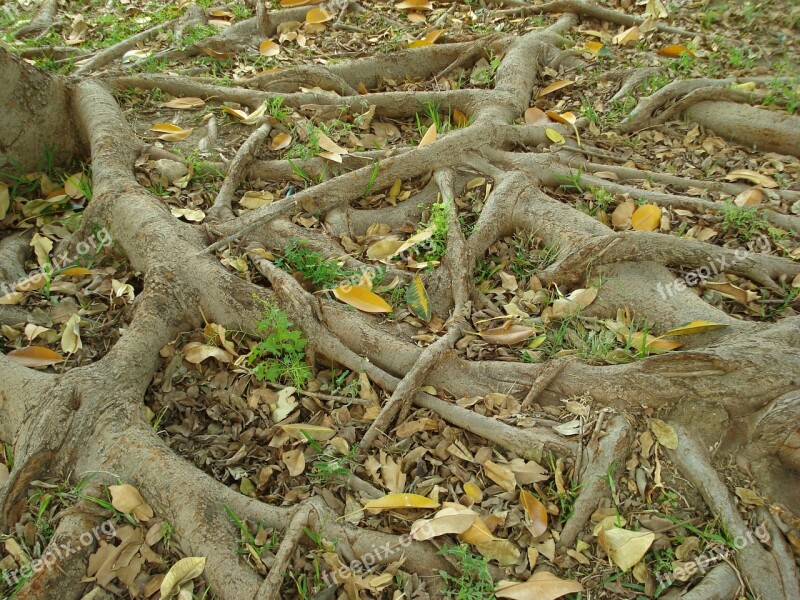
503, 551
414, 5
187, 103
269, 48
35, 356
695, 327
384, 248
536, 116
625, 548
5, 201
362, 299
752, 177
280, 141
303, 431
429, 137
417, 299
543, 585
501, 475
621, 217
665, 434
182, 571
71, 335
628, 36
749, 197
507, 336
127, 499
319, 15
646, 218
556, 85
554, 136
446, 521
400, 501
535, 511
675, 50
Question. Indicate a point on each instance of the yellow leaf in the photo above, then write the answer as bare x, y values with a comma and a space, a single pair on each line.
473, 491
315, 432
434, 35
362, 299
419, 43
417, 299
400, 501
35, 356
319, 15
414, 5
75, 271
280, 141
543, 585
429, 137
748, 86
166, 128
566, 118
234, 112
695, 327
293, 3
535, 511
664, 433
556, 85
594, 47
656, 345
5, 201
477, 534
269, 48
674, 50
554, 136
646, 218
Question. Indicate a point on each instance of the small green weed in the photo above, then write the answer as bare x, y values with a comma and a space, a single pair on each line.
434, 248
314, 267
745, 222
475, 582
280, 356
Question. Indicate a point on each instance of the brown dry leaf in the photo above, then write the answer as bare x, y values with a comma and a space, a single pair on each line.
753, 177
429, 137
749, 497
459, 118
74, 186
543, 585
182, 571
556, 85
329, 145
452, 519
536, 116
749, 197
528, 472
625, 548
646, 218
535, 511
503, 551
414, 5
664, 433
477, 534
295, 461
621, 217
728, 290
501, 475
197, 352
507, 336
315, 432
71, 335
35, 356
628, 36
655, 345
127, 499
188, 103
